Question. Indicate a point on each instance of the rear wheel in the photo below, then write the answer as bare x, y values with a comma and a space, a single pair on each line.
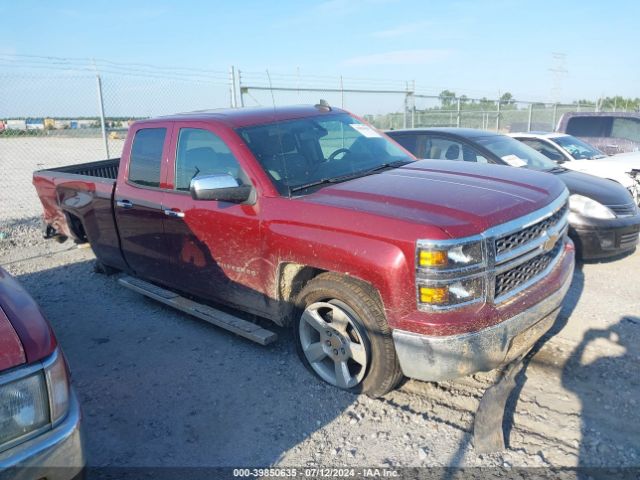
343, 337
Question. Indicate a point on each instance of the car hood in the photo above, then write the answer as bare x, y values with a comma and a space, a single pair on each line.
599, 189
607, 169
25, 334
631, 159
459, 197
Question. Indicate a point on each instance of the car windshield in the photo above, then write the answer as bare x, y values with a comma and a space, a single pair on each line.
301, 154
578, 149
515, 153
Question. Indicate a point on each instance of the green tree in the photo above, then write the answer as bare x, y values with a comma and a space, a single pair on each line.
447, 97
507, 99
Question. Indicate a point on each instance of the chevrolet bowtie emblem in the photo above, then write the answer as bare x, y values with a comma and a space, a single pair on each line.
550, 242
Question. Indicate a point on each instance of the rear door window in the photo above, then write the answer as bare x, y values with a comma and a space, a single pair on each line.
146, 157
589, 126
449, 149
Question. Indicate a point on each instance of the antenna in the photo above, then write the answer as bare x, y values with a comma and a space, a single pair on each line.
279, 135
273, 98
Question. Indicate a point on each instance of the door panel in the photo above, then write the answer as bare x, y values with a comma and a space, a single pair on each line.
138, 204
214, 247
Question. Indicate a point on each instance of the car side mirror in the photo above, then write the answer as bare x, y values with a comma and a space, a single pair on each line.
222, 187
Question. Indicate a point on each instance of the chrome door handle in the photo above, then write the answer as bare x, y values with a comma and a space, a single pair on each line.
173, 213
124, 203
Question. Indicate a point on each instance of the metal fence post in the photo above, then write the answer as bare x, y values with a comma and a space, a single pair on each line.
458, 115
498, 117
413, 104
240, 88
103, 124
406, 108
232, 87
530, 117
555, 115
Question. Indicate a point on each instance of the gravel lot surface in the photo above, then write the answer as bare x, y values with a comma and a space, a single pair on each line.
160, 388
21, 156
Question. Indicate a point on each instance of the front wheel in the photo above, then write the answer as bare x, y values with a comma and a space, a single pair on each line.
343, 337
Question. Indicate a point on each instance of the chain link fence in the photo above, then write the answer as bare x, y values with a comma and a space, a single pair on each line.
49, 120
54, 118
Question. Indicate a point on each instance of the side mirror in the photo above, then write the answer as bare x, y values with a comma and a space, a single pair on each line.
222, 187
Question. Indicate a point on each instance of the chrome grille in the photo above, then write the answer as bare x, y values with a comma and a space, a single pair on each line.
517, 239
627, 210
521, 274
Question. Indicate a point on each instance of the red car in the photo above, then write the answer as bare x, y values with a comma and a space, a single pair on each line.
307, 216
40, 434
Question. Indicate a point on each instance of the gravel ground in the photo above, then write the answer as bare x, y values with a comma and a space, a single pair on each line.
160, 388
21, 156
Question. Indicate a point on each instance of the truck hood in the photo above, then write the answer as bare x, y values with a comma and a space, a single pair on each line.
25, 334
461, 198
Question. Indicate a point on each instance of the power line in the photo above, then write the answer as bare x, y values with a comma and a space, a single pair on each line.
91, 61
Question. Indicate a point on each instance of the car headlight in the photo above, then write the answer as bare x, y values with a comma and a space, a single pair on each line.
24, 407
36, 400
451, 293
450, 257
588, 207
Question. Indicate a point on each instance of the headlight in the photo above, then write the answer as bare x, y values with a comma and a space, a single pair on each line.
451, 293
443, 257
588, 207
24, 407
35, 400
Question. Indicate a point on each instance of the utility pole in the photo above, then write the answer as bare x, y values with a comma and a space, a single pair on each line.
559, 70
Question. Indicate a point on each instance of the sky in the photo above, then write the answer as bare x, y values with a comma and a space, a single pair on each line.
477, 48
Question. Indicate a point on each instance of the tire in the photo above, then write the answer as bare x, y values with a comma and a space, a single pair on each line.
338, 301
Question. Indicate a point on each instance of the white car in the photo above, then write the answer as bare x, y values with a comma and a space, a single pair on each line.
576, 154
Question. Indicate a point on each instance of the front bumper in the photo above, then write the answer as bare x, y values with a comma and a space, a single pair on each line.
598, 239
431, 358
55, 455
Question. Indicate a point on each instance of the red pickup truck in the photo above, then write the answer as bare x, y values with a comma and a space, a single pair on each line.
307, 216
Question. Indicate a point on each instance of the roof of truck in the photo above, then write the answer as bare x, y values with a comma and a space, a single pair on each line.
244, 117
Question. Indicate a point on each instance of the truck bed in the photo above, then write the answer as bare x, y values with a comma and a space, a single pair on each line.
101, 169
77, 202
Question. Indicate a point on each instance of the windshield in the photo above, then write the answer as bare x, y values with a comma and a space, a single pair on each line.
578, 149
316, 150
515, 153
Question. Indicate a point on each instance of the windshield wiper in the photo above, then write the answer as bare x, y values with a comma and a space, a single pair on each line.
556, 170
385, 166
323, 181
344, 178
